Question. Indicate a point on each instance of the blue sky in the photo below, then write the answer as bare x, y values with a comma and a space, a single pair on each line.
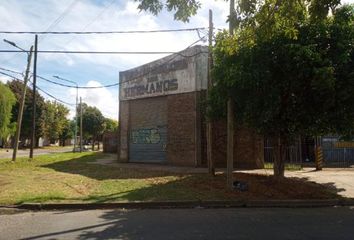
94, 15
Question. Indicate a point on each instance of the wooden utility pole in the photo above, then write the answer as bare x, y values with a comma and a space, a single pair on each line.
76, 110
33, 130
22, 103
77, 96
80, 124
211, 166
230, 115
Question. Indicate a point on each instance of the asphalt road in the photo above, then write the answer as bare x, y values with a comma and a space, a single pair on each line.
38, 151
242, 223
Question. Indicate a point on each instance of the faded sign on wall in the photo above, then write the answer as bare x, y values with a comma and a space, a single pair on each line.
177, 73
151, 87
157, 79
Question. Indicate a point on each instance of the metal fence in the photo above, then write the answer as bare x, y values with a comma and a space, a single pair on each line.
292, 156
336, 153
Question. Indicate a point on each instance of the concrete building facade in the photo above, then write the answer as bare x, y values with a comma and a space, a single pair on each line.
161, 116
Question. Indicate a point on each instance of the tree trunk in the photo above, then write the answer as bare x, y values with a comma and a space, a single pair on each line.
98, 145
37, 142
279, 149
93, 144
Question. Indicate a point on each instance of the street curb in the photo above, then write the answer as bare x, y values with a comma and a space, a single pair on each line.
295, 203
186, 204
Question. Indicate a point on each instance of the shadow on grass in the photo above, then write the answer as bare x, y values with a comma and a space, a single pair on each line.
155, 187
204, 187
85, 166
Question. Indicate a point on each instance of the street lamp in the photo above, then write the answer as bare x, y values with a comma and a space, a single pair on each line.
22, 101
14, 45
77, 96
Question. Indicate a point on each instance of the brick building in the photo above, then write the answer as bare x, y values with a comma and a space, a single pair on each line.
161, 116
109, 141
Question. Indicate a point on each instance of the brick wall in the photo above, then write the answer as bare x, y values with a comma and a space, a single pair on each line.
110, 140
182, 142
123, 141
186, 145
248, 151
148, 112
148, 126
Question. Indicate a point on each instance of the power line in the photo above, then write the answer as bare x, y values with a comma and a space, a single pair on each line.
121, 82
60, 84
106, 32
50, 95
62, 15
86, 52
45, 92
9, 75
51, 26
152, 69
99, 32
172, 57
101, 52
11, 71
80, 87
86, 87
55, 98
97, 17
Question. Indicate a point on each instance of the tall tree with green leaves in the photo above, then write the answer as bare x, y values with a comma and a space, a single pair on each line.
111, 125
93, 123
183, 9
67, 132
16, 87
54, 120
290, 72
7, 101
271, 36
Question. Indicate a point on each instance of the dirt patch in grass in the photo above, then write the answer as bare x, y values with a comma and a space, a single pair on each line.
4, 182
266, 187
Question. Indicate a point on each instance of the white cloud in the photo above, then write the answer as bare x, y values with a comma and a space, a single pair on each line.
347, 1
102, 98
4, 79
33, 15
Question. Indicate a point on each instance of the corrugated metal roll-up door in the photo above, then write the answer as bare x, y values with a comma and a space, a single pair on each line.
148, 130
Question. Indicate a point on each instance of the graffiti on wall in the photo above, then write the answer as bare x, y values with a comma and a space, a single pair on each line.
145, 136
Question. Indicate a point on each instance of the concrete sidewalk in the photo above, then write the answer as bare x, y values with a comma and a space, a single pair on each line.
111, 160
340, 178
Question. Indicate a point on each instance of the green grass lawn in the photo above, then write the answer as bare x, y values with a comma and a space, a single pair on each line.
288, 166
74, 177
